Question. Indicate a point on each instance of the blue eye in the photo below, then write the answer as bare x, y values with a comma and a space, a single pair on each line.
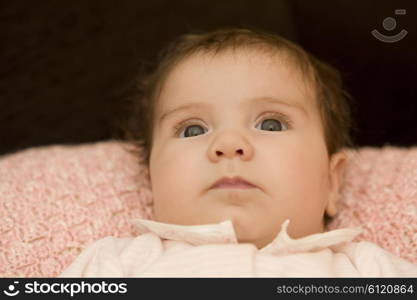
271, 125
273, 122
193, 130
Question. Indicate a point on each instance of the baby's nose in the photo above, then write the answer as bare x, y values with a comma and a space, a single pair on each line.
238, 151
229, 146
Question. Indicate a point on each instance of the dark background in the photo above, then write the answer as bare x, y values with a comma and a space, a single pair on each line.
64, 65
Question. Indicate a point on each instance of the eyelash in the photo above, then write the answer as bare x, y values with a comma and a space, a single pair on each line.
278, 116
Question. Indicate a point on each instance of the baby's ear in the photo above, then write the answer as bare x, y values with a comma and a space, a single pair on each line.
336, 171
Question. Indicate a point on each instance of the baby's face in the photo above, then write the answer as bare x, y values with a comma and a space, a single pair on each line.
250, 115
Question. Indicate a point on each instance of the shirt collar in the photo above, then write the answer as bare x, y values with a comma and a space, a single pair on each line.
223, 233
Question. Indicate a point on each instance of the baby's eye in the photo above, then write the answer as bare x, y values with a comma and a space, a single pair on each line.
192, 130
272, 125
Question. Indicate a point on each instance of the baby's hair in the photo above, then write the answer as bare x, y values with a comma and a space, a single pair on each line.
332, 99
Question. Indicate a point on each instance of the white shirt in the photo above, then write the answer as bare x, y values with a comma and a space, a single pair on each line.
212, 250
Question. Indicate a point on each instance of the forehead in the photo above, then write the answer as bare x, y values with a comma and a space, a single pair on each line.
232, 76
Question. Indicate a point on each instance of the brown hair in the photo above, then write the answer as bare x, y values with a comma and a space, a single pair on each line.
143, 93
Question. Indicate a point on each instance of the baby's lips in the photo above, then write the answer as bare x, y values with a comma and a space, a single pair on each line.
233, 182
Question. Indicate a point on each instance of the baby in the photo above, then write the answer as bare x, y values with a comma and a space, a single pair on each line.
243, 134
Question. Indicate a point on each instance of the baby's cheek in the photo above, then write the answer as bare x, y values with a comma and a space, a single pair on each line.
172, 178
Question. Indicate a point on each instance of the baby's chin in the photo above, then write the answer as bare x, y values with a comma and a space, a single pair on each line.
247, 230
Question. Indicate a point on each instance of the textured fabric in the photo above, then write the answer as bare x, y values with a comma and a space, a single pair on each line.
167, 250
380, 195
56, 200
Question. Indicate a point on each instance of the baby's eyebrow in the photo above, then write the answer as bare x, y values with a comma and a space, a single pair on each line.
273, 100
188, 106
257, 100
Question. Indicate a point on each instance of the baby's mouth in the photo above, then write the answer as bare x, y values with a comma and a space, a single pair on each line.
232, 183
